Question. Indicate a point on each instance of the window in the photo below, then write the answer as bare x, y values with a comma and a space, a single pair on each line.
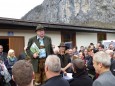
69, 37
101, 36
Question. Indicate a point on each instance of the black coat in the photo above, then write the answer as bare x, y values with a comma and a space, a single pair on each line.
112, 67
65, 59
91, 69
81, 79
56, 81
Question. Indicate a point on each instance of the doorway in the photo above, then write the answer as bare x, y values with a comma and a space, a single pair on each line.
13, 42
5, 44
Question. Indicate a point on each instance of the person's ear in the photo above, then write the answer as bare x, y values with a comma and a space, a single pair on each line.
13, 78
33, 75
46, 68
100, 65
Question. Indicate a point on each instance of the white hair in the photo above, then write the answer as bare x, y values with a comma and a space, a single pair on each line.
102, 57
110, 52
53, 63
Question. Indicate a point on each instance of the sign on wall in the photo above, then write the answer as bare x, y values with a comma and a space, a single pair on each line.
10, 33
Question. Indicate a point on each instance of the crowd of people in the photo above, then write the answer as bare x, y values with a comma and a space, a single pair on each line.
43, 65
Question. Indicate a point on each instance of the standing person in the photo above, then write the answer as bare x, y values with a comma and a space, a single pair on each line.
101, 47
5, 77
44, 44
3, 55
10, 62
80, 75
75, 51
52, 71
89, 64
22, 73
102, 63
64, 57
81, 49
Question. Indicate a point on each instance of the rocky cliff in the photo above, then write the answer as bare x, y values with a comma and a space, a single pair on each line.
97, 13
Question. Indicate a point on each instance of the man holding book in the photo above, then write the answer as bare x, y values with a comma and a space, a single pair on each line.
39, 47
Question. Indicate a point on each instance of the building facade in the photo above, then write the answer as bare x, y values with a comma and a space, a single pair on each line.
16, 33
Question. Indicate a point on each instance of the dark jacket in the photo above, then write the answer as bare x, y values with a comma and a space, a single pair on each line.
23, 56
89, 63
112, 67
56, 81
65, 59
3, 56
9, 64
81, 79
48, 48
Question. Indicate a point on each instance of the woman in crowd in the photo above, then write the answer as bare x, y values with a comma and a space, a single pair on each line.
10, 62
85, 52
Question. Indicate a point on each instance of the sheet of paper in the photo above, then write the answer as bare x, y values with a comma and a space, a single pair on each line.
68, 76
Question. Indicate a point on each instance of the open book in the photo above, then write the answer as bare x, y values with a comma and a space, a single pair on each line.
34, 48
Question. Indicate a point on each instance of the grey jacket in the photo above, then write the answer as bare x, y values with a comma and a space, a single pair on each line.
105, 79
5, 73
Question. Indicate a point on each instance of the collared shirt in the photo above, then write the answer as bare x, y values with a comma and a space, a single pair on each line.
42, 53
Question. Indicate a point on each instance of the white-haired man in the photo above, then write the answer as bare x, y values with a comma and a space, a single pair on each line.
52, 71
102, 63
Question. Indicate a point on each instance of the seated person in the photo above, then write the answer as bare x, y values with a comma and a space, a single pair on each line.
80, 75
22, 72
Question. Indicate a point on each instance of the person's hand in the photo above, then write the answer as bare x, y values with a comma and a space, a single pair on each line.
65, 73
35, 55
62, 69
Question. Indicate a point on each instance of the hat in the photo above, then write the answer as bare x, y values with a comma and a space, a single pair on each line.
39, 27
62, 44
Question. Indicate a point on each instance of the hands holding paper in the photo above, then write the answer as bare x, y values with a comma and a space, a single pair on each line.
35, 50
35, 55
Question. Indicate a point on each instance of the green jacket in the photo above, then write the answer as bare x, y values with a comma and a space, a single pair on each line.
48, 47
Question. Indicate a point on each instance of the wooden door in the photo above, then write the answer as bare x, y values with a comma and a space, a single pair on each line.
17, 44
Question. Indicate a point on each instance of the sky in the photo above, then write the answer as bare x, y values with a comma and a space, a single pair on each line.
17, 8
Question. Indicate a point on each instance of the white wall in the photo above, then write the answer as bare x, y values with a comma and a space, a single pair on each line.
55, 36
3, 33
84, 39
110, 36
26, 33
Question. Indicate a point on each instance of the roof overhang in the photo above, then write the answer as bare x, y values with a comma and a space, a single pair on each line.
14, 23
